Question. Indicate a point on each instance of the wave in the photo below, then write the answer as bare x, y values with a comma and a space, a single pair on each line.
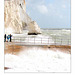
38, 60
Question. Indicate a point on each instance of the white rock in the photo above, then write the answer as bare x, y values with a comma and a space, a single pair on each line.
33, 28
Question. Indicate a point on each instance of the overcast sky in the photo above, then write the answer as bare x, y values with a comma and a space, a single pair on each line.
49, 13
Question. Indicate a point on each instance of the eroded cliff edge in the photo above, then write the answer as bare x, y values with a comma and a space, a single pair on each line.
16, 18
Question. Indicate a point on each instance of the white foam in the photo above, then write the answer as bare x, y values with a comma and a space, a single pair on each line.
38, 60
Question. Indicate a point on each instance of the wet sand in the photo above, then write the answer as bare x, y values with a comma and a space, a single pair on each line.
11, 48
62, 48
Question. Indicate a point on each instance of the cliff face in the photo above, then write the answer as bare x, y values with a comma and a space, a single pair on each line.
12, 17
16, 18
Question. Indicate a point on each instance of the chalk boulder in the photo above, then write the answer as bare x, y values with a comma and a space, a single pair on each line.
33, 28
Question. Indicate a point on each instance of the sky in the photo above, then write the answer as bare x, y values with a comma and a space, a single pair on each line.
50, 13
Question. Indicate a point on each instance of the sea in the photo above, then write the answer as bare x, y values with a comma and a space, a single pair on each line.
59, 35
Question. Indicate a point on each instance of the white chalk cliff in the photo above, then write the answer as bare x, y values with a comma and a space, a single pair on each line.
16, 18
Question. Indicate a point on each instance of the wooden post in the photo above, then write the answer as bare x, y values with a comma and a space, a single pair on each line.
34, 40
24, 39
68, 41
20, 40
28, 39
14, 39
55, 41
48, 40
41, 40
13, 48
61, 41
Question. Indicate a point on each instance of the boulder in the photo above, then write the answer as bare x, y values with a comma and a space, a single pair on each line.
33, 28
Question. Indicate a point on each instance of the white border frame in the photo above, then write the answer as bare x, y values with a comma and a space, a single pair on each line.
2, 42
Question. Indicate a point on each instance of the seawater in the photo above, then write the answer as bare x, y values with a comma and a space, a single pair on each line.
58, 35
